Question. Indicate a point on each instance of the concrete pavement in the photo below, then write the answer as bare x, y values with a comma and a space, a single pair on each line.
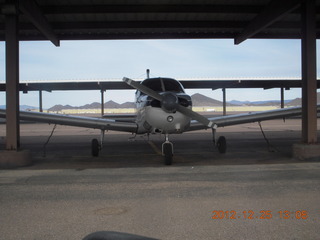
252, 192
163, 202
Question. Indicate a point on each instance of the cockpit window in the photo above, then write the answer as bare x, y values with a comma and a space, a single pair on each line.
163, 85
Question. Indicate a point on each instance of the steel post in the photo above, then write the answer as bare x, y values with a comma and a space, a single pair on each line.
102, 102
40, 101
282, 97
12, 81
224, 102
309, 80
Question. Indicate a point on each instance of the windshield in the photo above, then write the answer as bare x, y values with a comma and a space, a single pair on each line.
163, 85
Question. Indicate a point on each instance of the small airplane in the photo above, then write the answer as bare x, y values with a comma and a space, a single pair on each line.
162, 107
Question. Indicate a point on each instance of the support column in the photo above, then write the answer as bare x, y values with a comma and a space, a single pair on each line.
102, 102
309, 73
224, 102
12, 79
12, 157
40, 101
282, 97
308, 149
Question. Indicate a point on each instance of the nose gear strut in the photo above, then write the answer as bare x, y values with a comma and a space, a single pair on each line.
167, 151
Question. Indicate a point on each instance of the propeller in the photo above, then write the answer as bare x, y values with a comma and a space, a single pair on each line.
170, 103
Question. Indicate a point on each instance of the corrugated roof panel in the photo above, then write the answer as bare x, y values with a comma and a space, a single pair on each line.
107, 19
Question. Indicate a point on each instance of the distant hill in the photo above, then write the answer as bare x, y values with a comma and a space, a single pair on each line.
239, 103
258, 103
262, 103
128, 105
22, 107
27, 107
60, 107
94, 105
298, 101
111, 104
294, 102
199, 100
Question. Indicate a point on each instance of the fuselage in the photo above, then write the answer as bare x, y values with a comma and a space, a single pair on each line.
152, 117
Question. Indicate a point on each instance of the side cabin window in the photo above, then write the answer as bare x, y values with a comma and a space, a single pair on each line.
162, 85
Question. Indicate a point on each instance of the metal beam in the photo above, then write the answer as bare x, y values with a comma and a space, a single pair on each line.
146, 24
195, 84
12, 80
273, 12
168, 24
309, 72
128, 34
33, 12
150, 8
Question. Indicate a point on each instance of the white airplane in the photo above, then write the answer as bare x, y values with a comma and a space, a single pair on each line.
162, 107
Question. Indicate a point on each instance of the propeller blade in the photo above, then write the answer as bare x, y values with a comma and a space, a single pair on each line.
196, 116
143, 89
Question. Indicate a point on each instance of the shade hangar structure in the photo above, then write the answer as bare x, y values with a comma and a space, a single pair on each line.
57, 20
102, 85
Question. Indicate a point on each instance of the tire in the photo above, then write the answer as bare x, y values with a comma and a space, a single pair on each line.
167, 151
222, 144
95, 147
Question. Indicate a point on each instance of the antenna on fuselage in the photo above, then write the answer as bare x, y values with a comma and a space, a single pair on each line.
148, 73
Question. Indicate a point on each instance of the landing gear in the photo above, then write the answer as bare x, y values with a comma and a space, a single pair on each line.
221, 144
167, 151
96, 146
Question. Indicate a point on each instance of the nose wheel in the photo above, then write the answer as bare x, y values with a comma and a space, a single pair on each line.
167, 151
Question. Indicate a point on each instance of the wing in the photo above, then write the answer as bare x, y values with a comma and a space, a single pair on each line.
122, 117
70, 120
223, 121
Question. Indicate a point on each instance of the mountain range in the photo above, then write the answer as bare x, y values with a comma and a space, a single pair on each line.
94, 105
198, 100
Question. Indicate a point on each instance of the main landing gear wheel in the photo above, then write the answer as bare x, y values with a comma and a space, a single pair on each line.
95, 147
167, 150
222, 144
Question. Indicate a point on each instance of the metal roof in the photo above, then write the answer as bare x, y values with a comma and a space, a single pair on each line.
155, 19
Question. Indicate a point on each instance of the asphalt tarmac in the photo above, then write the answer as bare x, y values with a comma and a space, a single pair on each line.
254, 191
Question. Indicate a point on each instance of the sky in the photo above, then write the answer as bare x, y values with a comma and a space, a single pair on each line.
114, 59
